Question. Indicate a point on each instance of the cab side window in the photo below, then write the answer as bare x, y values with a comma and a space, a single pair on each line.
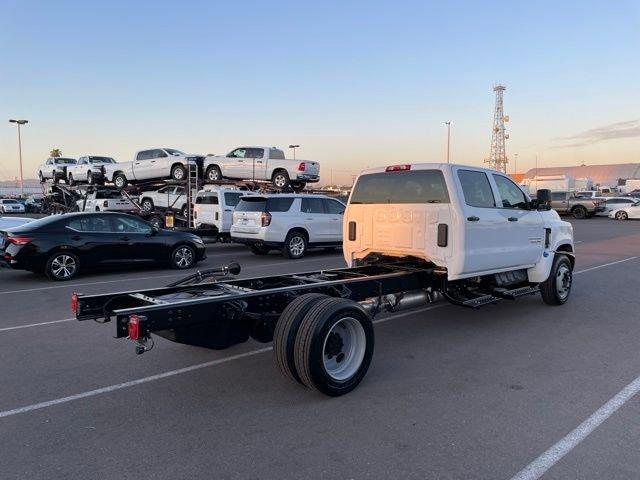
558, 196
476, 188
145, 155
93, 223
511, 195
238, 153
254, 153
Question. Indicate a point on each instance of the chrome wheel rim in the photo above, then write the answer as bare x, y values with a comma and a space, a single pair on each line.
563, 281
146, 205
279, 181
344, 348
63, 266
213, 175
296, 246
621, 216
178, 174
184, 257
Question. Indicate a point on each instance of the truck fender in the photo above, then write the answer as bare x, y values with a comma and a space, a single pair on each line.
541, 271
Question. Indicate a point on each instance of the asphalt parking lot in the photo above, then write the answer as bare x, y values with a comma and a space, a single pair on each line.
451, 394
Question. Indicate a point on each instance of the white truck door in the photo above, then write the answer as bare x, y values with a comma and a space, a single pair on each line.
143, 166
523, 231
233, 165
255, 164
484, 227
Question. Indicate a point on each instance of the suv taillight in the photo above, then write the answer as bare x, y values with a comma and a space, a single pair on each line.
301, 167
398, 168
266, 219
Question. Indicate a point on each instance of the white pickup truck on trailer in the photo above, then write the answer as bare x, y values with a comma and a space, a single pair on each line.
261, 163
151, 164
410, 231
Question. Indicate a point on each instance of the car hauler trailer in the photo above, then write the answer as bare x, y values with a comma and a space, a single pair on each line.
412, 232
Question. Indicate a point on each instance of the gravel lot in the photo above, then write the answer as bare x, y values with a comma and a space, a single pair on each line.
451, 394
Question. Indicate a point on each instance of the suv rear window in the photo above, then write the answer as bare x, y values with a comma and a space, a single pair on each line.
207, 199
417, 186
261, 204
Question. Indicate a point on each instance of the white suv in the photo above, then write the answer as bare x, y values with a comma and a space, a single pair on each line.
167, 197
291, 223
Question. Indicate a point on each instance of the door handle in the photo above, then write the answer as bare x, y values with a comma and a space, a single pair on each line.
513, 219
473, 219
76, 237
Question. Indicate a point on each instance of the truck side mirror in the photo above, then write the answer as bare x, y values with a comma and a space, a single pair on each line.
543, 199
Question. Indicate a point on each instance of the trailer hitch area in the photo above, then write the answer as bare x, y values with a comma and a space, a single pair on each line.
144, 344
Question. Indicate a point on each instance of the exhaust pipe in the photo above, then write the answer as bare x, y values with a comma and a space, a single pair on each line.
395, 302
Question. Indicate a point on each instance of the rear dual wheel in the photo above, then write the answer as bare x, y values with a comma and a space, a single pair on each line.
324, 343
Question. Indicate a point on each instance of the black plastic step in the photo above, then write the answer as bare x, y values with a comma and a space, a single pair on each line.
516, 292
480, 301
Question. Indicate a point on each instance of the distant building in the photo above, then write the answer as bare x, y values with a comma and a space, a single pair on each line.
603, 175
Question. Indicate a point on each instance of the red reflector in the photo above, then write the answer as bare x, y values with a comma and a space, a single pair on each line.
301, 167
265, 219
133, 327
398, 168
19, 240
74, 303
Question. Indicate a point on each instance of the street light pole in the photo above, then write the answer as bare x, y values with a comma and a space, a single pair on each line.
448, 124
293, 147
19, 123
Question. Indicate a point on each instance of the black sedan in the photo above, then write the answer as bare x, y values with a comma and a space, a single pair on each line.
60, 245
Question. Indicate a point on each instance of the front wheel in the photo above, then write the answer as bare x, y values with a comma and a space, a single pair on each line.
183, 257
147, 204
556, 288
214, 174
178, 172
622, 215
62, 266
120, 181
334, 346
295, 245
281, 179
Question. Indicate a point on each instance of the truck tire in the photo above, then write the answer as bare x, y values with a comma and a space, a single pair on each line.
622, 215
182, 257
214, 174
259, 249
62, 266
295, 245
147, 204
280, 179
120, 180
555, 290
178, 172
284, 335
334, 346
579, 212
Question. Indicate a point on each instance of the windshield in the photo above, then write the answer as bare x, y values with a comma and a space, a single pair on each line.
65, 161
252, 204
207, 198
418, 186
101, 160
174, 152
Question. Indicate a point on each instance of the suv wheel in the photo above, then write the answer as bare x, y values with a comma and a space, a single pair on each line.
295, 245
579, 212
178, 172
147, 204
214, 174
62, 266
281, 179
183, 257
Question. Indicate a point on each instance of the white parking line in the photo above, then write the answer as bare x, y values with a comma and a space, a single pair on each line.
171, 373
606, 265
122, 280
553, 455
29, 325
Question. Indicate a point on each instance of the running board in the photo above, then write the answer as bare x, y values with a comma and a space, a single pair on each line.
480, 301
516, 292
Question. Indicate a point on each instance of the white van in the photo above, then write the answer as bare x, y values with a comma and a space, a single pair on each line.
214, 207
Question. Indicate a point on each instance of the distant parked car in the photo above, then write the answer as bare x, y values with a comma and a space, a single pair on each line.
170, 197
615, 203
55, 168
626, 212
9, 205
10, 222
88, 169
291, 223
568, 203
62, 245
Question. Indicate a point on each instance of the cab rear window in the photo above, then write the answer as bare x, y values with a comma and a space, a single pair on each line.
417, 186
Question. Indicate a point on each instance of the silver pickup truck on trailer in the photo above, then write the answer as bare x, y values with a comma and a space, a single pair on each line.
412, 233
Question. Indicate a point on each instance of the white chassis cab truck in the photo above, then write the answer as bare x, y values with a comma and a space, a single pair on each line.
151, 164
412, 234
261, 163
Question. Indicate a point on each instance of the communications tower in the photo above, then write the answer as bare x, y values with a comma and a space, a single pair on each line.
498, 157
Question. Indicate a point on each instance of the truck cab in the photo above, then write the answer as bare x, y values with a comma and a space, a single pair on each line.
469, 221
214, 207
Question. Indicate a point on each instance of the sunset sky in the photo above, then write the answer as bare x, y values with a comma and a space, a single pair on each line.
356, 84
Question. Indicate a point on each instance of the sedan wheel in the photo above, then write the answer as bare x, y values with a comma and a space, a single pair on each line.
183, 257
621, 215
62, 266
